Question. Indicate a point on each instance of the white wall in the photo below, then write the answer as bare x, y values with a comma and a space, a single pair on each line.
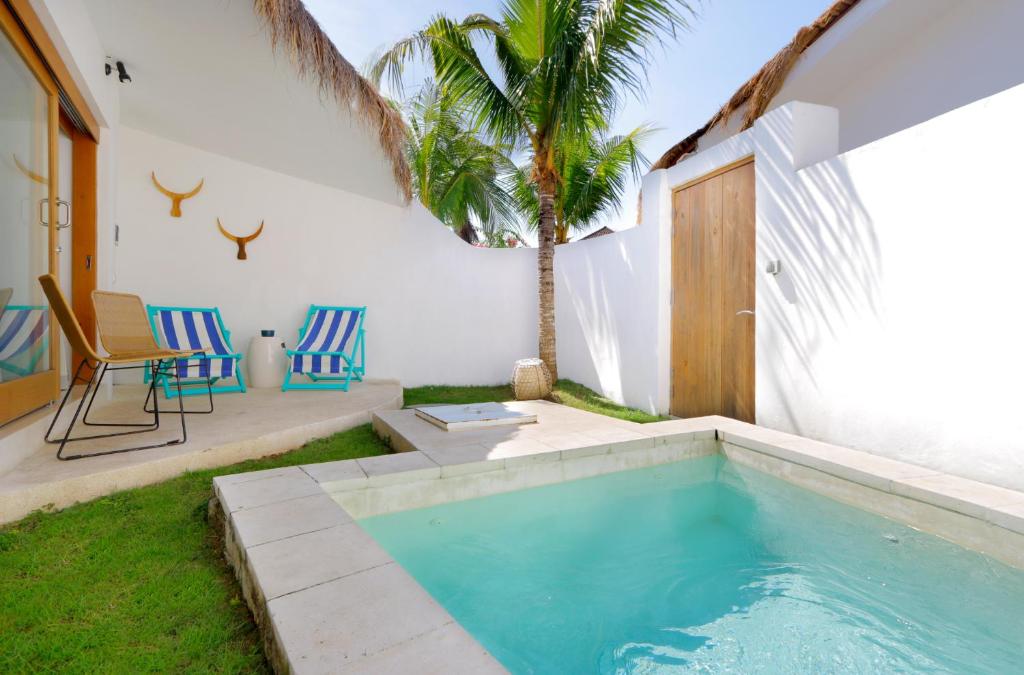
893, 328
439, 310
604, 331
947, 59
890, 64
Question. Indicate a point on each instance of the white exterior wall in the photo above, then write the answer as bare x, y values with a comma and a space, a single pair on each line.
890, 64
893, 327
961, 55
439, 311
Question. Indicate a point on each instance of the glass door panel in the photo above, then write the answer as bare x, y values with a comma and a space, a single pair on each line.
27, 216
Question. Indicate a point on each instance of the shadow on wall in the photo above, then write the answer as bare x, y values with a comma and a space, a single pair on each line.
814, 221
587, 288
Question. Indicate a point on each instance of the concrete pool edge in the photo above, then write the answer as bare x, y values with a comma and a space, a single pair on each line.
327, 597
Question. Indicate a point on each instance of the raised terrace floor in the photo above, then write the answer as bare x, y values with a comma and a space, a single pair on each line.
328, 598
258, 423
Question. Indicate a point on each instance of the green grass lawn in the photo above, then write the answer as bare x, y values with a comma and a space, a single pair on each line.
566, 392
136, 582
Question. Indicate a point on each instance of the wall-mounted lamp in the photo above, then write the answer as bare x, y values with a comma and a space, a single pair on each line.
774, 267
122, 72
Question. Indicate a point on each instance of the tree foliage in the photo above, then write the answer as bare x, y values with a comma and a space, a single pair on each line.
462, 179
562, 69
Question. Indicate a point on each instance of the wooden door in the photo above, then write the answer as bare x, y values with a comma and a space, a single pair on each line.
713, 295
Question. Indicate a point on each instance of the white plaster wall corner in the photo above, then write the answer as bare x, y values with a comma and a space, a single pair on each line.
659, 182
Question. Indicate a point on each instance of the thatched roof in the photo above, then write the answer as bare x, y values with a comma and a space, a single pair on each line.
295, 30
758, 92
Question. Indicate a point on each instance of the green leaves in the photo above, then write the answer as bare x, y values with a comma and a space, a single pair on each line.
595, 173
456, 174
594, 170
564, 64
562, 69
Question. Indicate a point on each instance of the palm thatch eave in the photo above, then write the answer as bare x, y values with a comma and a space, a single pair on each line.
757, 92
293, 29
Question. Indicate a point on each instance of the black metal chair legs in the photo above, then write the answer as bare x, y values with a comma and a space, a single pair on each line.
92, 384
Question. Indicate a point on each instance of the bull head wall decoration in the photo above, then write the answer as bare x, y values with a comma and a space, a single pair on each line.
176, 197
29, 172
241, 241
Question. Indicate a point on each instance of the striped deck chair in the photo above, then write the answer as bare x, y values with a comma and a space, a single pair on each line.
23, 332
197, 328
331, 350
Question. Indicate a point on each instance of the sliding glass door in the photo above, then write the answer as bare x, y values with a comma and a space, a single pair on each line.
28, 216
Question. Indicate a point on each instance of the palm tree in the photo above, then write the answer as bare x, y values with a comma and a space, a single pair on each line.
594, 171
563, 66
455, 174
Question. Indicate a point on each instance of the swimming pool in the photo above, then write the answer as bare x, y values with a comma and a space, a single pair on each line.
705, 565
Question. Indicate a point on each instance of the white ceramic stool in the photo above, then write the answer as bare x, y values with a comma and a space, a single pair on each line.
266, 362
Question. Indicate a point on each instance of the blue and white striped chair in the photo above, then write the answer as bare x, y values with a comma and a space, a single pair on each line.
331, 350
23, 332
199, 328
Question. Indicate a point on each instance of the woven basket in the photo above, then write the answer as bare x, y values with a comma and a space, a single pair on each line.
531, 380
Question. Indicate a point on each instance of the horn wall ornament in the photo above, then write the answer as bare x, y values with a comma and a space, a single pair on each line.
241, 241
29, 172
176, 197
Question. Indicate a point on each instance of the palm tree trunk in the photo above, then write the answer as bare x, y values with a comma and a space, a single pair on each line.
546, 275
561, 234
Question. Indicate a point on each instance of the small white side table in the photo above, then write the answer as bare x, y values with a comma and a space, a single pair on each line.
266, 362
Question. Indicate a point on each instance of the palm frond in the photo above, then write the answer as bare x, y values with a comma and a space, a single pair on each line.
457, 174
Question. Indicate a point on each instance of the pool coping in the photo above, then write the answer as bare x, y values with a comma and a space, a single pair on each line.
328, 598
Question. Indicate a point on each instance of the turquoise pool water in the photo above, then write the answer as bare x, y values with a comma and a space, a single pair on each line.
706, 566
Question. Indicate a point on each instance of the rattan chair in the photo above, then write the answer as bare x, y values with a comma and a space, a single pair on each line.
120, 336
125, 329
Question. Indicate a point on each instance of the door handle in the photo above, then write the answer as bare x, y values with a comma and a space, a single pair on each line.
745, 311
88, 262
63, 207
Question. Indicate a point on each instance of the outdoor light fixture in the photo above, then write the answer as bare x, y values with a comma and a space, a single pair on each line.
122, 72
774, 267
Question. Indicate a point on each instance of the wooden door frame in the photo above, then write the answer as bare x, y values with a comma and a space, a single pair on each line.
33, 28
725, 168
20, 396
84, 245
675, 261
83, 231
26, 32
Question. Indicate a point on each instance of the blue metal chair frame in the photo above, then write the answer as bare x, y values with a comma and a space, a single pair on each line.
197, 386
37, 354
354, 361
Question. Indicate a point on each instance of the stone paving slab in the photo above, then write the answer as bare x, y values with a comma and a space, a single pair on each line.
254, 493
326, 597
333, 626
342, 475
431, 652
287, 519
306, 560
